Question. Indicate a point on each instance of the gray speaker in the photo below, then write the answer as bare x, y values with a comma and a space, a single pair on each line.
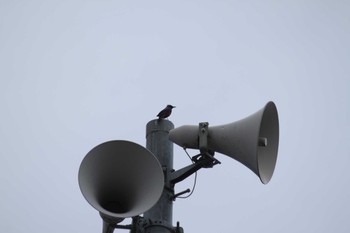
120, 179
253, 141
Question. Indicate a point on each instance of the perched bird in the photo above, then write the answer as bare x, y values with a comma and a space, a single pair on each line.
165, 112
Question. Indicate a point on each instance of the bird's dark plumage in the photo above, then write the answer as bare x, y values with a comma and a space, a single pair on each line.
165, 112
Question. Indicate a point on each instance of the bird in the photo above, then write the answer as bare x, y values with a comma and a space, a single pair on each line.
165, 113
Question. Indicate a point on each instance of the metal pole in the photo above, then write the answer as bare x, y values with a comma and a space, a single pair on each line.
160, 216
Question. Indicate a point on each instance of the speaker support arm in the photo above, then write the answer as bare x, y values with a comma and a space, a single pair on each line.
183, 173
203, 160
200, 161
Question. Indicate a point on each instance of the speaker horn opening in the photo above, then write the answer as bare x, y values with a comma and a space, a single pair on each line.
121, 179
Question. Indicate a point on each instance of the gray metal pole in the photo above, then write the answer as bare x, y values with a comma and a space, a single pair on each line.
160, 216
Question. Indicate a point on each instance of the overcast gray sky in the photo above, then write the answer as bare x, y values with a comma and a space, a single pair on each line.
74, 74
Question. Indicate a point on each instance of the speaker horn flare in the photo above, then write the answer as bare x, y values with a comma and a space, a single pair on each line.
120, 179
